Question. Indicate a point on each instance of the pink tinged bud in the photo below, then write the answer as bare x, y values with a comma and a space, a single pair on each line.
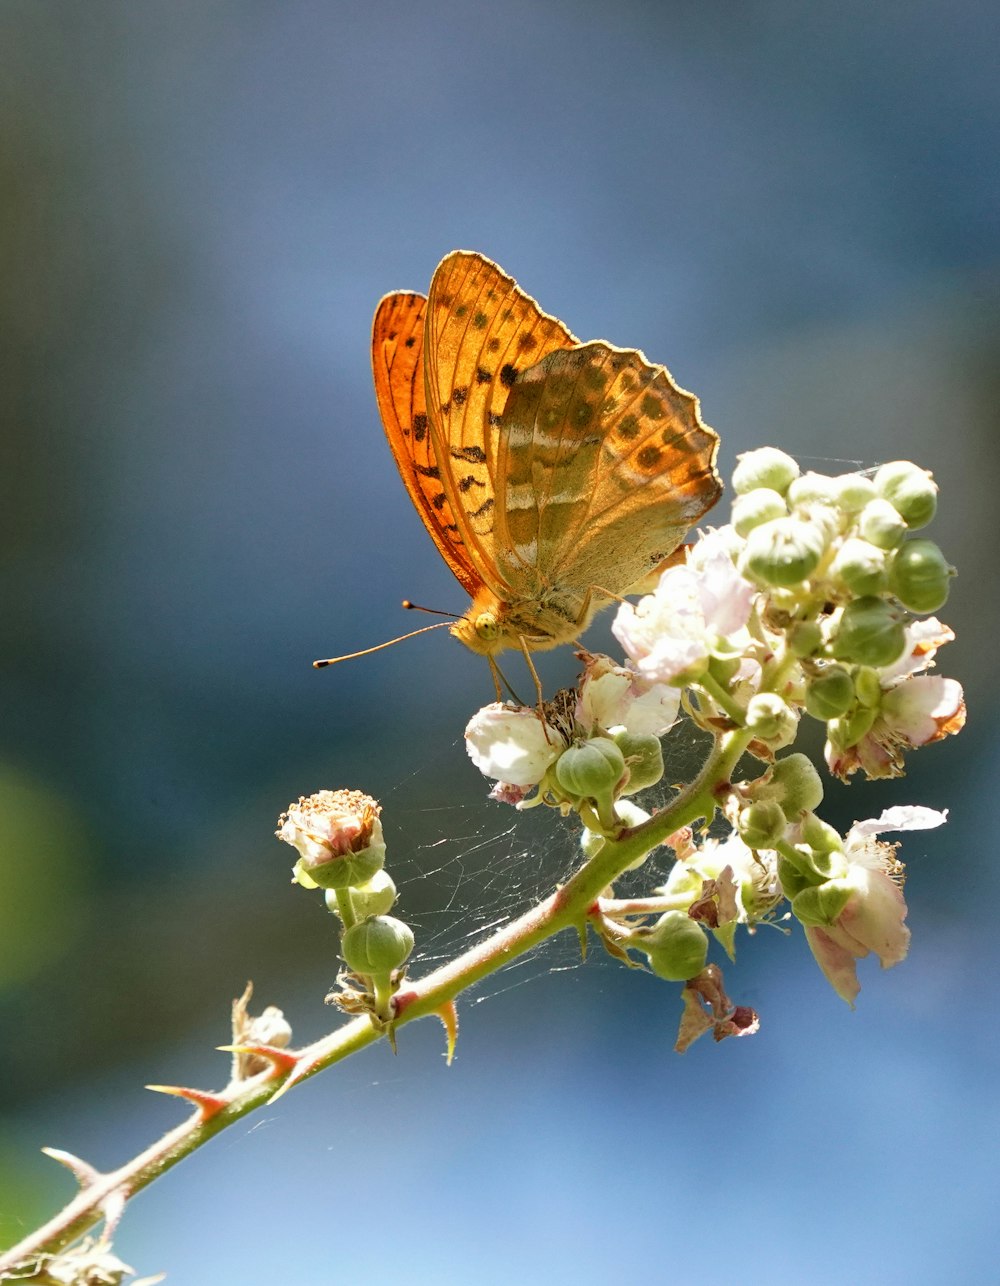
512, 745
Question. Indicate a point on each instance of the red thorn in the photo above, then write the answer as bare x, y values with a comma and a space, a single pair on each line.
449, 1017
300, 1068
282, 1060
82, 1171
207, 1104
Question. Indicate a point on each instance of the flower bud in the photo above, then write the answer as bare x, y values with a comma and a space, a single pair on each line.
793, 878
782, 553
910, 490
755, 507
867, 687
919, 576
851, 728
853, 491
805, 638
860, 567
762, 824
373, 898
881, 524
592, 770
676, 946
830, 693
765, 467
796, 784
869, 633
643, 756
821, 903
376, 946
812, 489
771, 720
338, 836
820, 836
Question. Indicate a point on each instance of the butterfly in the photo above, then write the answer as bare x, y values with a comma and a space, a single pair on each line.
554, 476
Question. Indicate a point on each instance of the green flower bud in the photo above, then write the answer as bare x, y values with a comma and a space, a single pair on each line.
870, 633
795, 784
592, 770
373, 898
824, 845
723, 668
910, 490
811, 489
762, 824
830, 693
783, 552
793, 878
822, 903
771, 720
804, 638
860, 567
881, 524
765, 467
676, 946
919, 576
376, 946
643, 756
850, 729
868, 687
853, 491
754, 507
820, 836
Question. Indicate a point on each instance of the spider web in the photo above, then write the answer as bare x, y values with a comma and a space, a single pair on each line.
466, 868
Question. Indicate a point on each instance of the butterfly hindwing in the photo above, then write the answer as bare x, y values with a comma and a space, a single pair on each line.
605, 465
397, 364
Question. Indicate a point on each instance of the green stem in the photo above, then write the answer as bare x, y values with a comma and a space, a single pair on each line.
345, 905
722, 698
566, 908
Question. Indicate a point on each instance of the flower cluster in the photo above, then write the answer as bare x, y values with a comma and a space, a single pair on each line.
807, 603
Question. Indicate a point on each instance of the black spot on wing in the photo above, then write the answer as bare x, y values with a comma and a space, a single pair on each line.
471, 455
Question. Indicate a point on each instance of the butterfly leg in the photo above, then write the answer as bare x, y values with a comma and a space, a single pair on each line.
540, 699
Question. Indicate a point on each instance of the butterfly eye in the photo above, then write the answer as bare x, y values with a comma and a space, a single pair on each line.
486, 626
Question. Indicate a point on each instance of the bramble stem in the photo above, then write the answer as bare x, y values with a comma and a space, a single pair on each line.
567, 907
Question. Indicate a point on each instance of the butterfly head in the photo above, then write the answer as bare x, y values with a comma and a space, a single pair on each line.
482, 628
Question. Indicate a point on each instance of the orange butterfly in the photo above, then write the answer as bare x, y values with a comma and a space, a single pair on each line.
553, 476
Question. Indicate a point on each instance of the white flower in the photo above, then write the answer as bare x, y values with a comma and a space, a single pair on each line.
695, 610
512, 745
613, 697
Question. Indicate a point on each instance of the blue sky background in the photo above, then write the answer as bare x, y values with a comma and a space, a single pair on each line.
795, 208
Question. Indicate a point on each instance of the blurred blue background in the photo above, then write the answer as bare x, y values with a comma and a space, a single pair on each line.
794, 207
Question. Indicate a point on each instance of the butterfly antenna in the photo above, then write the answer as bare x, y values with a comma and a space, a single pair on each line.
431, 611
351, 656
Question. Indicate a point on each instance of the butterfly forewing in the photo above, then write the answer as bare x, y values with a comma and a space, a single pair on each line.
397, 364
605, 464
481, 331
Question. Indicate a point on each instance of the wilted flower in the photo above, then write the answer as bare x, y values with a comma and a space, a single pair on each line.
338, 836
613, 697
873, 911
915, 709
